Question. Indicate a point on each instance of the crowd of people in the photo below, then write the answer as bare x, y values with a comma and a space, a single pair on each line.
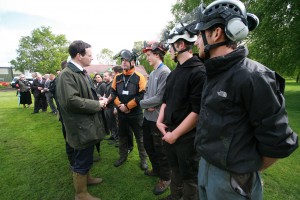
42, 88
209, 127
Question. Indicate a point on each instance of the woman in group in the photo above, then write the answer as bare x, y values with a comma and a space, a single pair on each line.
23, 87
99, 85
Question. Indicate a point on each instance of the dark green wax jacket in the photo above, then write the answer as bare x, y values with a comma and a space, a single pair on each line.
79, 108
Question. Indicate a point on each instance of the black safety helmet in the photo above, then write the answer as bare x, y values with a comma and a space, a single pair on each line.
125, 54
129, 56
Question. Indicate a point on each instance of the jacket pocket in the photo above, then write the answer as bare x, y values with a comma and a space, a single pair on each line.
87, 132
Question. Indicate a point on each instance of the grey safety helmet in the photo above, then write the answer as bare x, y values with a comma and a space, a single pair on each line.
232, 14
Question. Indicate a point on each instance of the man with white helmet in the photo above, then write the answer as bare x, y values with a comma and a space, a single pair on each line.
179, 113
243, 126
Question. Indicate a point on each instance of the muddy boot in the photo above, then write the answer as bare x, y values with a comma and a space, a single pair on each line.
80, 185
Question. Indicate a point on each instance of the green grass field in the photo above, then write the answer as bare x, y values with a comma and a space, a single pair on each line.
34, 166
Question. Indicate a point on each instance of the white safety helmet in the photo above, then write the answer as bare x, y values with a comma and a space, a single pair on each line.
232, 14
181, 31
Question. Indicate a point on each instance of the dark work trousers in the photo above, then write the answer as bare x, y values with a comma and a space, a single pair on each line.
135, 123
184, 164
40, 102
83, 160
130, 138
111, 121
130, 144
156, 150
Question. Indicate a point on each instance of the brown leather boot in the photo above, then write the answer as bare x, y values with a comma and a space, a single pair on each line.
80, 185
93, 181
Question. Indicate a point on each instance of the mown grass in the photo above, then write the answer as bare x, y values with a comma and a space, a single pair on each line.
34, 166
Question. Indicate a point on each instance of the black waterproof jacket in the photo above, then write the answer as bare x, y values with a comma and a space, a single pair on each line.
243, 114
183, 94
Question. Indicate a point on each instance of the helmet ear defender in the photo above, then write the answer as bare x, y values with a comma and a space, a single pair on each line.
236, 27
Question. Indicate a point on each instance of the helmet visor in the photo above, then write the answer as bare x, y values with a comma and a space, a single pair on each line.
124, 54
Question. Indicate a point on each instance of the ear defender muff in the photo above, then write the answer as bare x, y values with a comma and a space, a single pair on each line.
236, 29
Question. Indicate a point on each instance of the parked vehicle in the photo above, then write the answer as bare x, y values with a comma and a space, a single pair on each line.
13, 82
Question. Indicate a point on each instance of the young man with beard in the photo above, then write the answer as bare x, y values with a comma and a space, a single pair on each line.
179, 113
109, 109
151, 103
128, 89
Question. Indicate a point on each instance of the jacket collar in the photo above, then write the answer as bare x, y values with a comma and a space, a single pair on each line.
191, 62
73, 67
220, 64
129, 72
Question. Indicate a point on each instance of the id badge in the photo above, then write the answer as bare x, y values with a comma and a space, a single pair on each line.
125, 92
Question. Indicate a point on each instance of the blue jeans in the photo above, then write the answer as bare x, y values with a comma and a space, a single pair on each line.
215, 183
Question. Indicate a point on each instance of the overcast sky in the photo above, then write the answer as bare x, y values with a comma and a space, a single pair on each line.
112, 24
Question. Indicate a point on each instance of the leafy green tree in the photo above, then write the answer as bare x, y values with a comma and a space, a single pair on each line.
42, 51
276, 39
105, 57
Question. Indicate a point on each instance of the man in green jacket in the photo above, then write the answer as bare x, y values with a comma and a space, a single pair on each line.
79, 107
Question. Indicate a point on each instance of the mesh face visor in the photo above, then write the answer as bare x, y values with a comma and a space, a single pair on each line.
124, 54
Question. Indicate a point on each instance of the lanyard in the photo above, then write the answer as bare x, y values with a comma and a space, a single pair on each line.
161, 64
126, 82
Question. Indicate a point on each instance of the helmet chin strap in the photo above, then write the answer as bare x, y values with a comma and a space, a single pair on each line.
208, 47
176, 53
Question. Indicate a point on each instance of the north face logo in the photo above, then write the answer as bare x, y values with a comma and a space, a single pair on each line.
222, 94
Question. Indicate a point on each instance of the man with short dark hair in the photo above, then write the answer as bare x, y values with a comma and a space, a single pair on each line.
79, 107
109, 109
